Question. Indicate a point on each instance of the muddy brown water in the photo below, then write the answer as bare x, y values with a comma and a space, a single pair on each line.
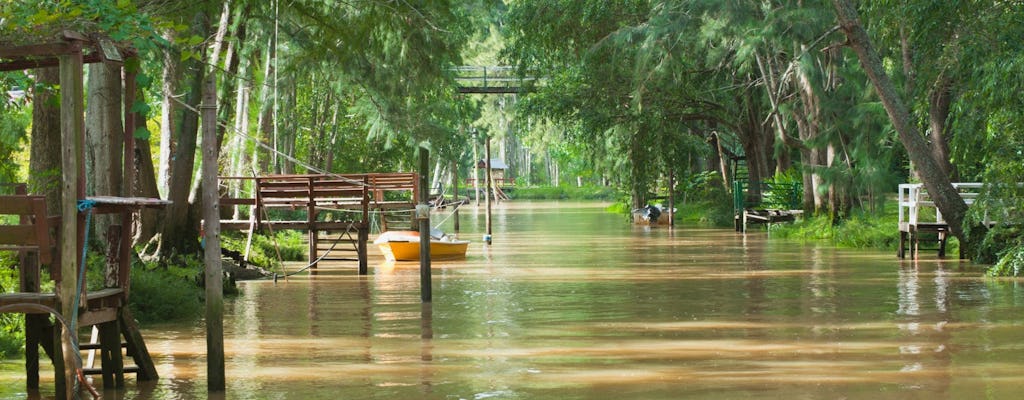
571, 302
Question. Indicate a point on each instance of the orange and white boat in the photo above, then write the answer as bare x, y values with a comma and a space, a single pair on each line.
405, 246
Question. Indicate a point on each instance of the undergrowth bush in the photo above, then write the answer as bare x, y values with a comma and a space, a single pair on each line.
565, 193
169, 292
12, 334
292, 245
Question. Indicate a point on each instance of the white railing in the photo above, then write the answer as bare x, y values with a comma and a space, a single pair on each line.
913, 197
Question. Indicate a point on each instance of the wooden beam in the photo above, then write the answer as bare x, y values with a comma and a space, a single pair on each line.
215, 377
23, 63
72, 129
47, 50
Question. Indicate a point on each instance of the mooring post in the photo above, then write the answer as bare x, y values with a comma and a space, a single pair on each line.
423, 216
455, 195
72, 130
215, 378
488, 190
671, 197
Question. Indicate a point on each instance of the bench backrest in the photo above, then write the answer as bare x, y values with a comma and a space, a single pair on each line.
32, 231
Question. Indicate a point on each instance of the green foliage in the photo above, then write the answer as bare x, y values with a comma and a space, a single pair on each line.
12, 332
13, 132
291, 244
565, 193
863, 230
1011, 263
166, 293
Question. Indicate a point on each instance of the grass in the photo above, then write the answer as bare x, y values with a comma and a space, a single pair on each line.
565, 193
862, 230
263, 254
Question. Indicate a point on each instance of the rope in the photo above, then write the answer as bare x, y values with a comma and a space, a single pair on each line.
85, 206
459, 204
348, 231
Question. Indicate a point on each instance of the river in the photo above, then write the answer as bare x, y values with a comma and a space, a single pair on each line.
571, 302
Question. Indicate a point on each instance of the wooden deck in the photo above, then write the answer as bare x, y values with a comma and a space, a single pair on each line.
347, 198
919, 219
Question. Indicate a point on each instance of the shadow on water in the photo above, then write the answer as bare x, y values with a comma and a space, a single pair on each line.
574, 303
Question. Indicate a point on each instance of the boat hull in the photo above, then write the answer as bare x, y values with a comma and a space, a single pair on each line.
410, 251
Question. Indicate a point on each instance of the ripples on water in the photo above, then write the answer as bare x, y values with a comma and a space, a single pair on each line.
574, 303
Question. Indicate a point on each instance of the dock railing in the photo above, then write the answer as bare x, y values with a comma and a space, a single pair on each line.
918, 214
913, 198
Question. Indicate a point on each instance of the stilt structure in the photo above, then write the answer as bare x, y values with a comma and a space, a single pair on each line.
333, 209
56, 242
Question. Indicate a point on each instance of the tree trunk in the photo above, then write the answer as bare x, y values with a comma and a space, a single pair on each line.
168, 115
940, 99
104, 135
180, 231
946, 198
44, 159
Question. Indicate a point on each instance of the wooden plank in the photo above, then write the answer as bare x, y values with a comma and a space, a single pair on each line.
19, 204
136, 346
19, 237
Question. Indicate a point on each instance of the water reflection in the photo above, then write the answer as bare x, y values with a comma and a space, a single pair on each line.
572, 303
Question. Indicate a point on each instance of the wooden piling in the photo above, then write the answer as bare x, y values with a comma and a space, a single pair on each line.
424, 222
211, 217
455, 195
487, 172
72, 131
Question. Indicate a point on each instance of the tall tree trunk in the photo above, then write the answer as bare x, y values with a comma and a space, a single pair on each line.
146, 187
180, 231
261, 156
169, 111
44, 158
940, 99
946, 198
104, 135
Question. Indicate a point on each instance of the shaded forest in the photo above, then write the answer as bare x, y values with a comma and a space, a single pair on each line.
847, 98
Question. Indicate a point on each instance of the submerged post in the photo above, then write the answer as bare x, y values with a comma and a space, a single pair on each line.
423, 216
671, 197
488, 189
455, 194
215, 378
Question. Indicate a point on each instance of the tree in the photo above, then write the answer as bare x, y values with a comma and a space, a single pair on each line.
935, 179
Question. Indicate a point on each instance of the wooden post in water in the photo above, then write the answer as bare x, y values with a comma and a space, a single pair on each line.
488, 192
671, 197
72, 130
423, 215
215, 378
476, 172
455, 195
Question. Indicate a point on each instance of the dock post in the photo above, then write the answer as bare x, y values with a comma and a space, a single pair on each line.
72, 131
423, 215
487, 172
455, 195
215, 379
364, 236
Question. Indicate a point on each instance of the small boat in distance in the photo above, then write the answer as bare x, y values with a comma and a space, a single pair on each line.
405, 246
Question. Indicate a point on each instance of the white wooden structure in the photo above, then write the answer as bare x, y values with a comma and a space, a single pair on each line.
918, 214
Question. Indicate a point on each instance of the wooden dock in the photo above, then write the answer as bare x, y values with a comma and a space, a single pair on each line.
333, 209
920, 220
765, 203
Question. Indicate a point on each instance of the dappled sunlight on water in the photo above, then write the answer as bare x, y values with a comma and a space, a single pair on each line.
574, 303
